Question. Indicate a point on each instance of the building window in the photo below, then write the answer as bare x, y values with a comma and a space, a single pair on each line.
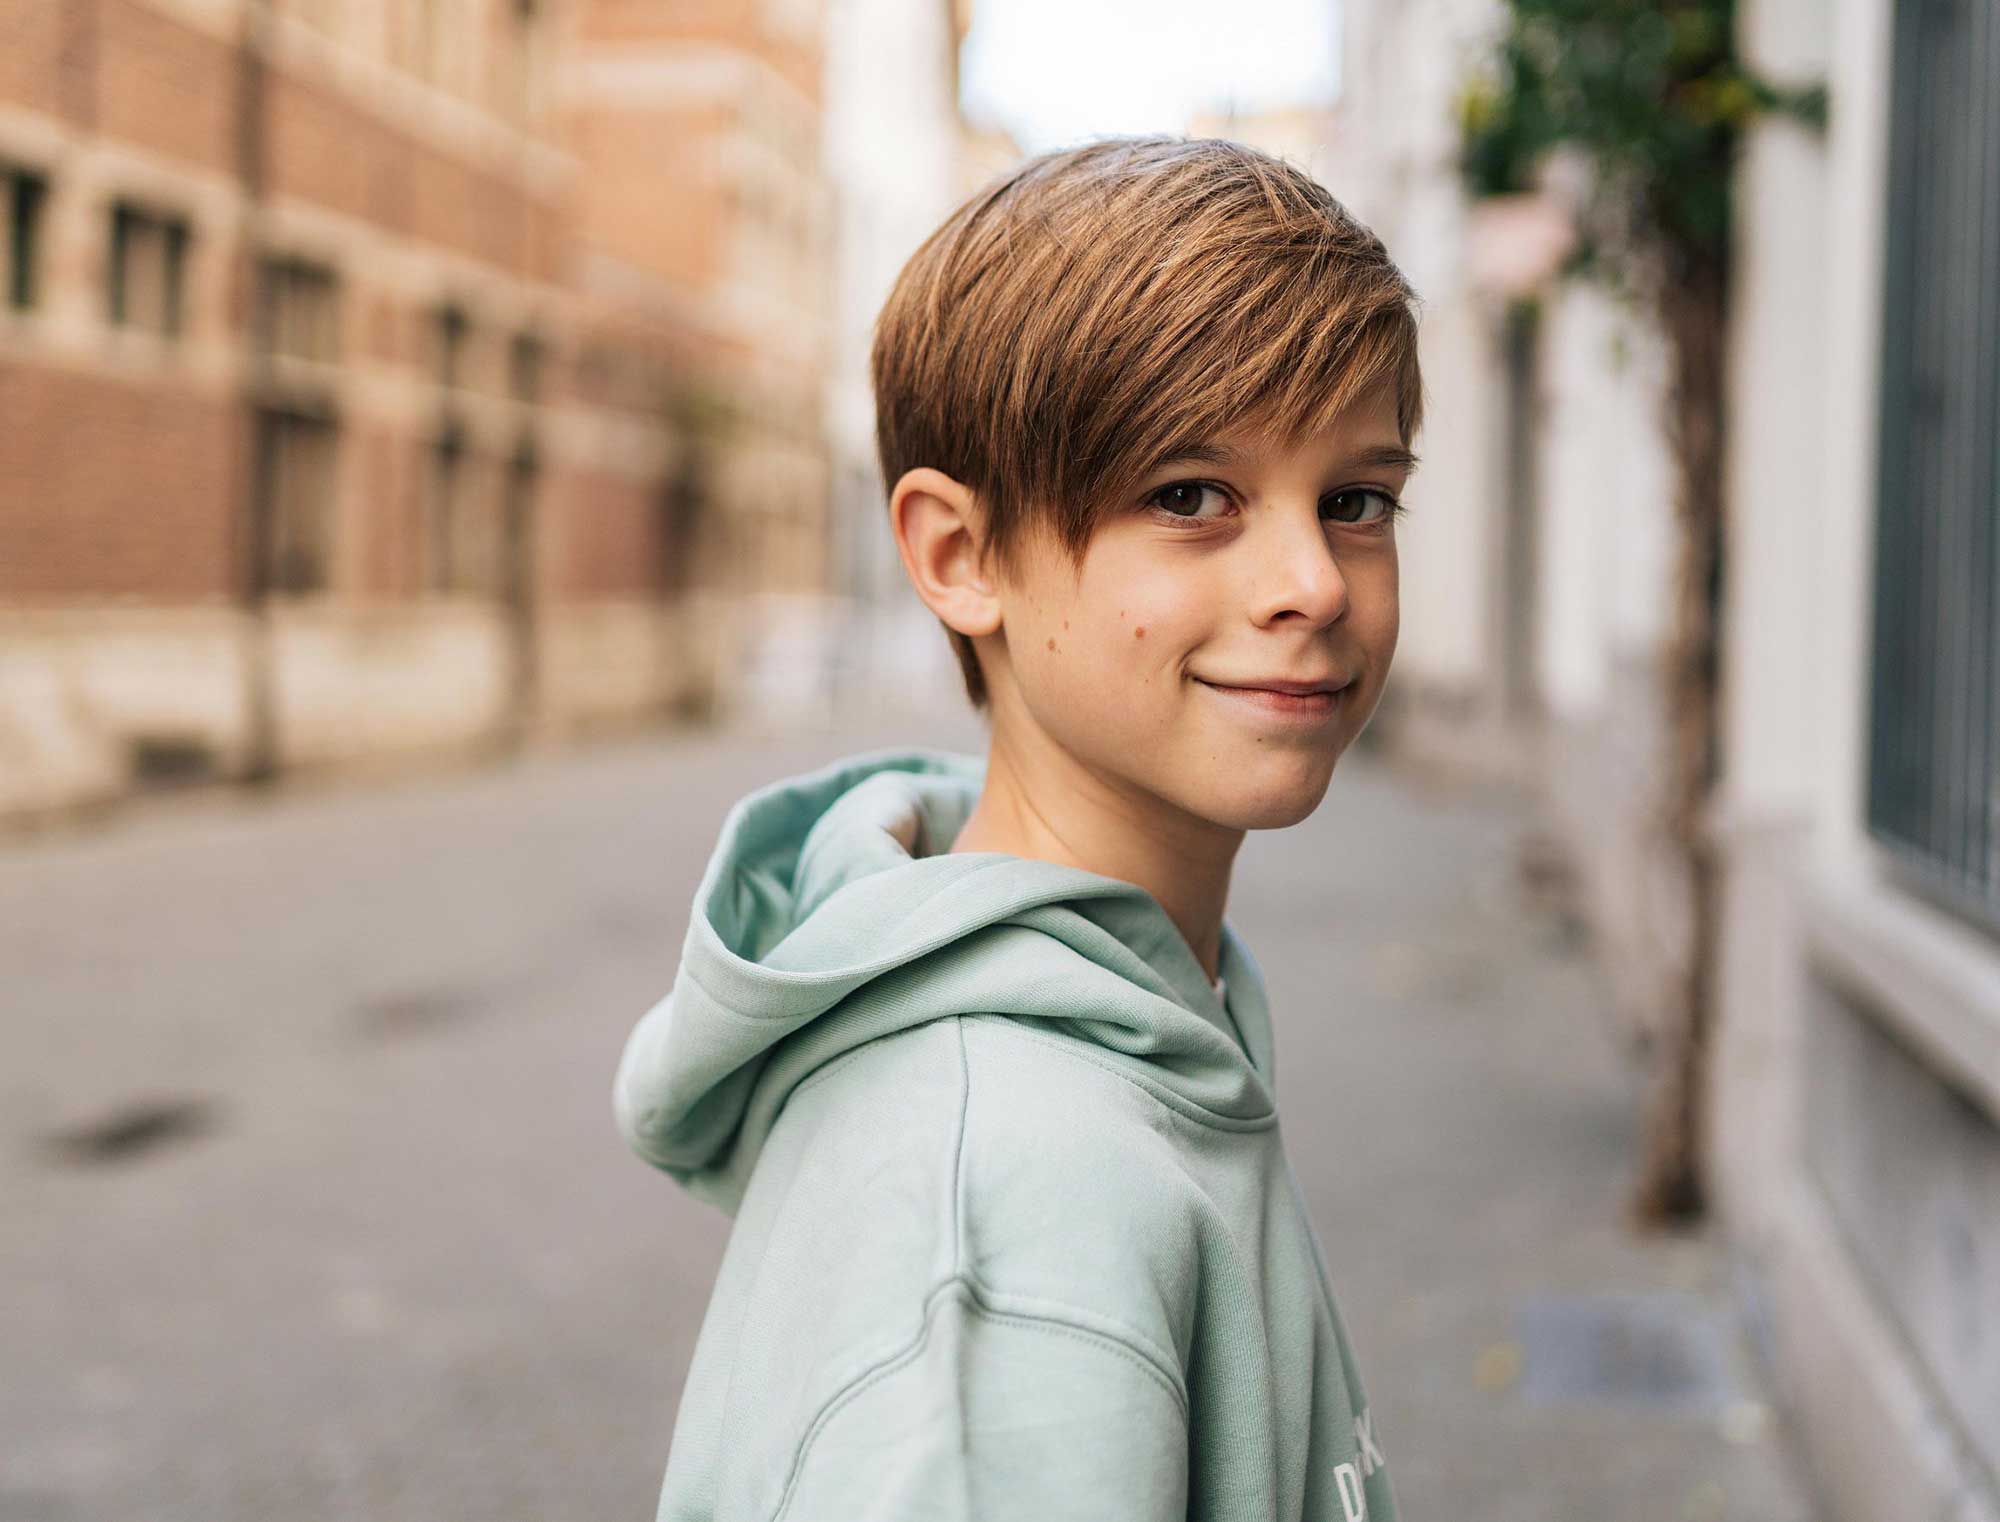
517, 525
441, 498
20, 264
463, 540
451, 330
297, 429
524, 368
297, 456
1934, 762
461, 530
299, 310
148, 269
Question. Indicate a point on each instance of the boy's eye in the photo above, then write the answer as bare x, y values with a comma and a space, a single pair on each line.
1389, 505
1182, 500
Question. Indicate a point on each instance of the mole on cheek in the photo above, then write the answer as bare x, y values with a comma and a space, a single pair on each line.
1052, 643
1140, 632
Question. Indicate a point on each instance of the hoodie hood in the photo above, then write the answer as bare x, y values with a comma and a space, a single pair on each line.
833, 912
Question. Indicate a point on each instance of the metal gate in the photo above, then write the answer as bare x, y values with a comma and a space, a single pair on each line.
1934, 756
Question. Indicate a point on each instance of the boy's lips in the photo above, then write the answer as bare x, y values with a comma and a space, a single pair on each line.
1281, 684
1310, 706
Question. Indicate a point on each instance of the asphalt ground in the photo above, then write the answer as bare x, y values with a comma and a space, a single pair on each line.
315, 1207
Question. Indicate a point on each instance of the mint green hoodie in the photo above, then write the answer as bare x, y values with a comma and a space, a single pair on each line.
1014, 1232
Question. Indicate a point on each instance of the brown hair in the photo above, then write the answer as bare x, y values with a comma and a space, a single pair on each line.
1091, 310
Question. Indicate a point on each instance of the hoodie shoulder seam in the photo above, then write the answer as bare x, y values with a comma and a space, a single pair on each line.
977, 1297
995, 1303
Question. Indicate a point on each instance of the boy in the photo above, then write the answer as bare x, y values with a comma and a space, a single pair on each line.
967, 1047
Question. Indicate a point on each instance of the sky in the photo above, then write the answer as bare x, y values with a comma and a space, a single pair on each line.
1055, 71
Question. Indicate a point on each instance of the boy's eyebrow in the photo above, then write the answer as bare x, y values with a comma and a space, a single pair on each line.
1386, 456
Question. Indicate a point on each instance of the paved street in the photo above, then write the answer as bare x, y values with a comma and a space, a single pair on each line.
315, 1207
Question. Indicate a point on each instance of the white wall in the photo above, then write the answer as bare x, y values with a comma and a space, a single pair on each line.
1856, 1093
891, 140
1391, 163
1606, 533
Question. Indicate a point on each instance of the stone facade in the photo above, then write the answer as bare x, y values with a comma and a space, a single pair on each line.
384, 377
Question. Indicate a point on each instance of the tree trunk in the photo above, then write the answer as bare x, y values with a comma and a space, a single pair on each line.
1672, 1179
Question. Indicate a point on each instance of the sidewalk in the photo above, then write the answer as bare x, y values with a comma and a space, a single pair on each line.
381, 1253
1453, 1101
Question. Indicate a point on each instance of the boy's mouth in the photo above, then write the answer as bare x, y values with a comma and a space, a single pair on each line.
1310, 705
1292, 686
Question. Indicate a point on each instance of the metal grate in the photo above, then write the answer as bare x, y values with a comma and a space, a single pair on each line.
1658, 1351
1934, 758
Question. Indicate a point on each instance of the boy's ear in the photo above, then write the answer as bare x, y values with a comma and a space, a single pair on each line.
939, 531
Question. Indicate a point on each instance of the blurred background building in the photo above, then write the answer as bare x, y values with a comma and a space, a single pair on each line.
409, 379
899, 156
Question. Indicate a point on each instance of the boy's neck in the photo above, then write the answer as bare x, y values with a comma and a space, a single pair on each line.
1041, 802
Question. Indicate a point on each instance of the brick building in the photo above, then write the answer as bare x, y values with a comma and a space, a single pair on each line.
391, 376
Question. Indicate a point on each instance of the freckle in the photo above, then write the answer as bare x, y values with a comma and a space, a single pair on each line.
1140, 632
1052, 644
1065, 623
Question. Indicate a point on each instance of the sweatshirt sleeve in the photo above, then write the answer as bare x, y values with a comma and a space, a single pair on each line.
998, 1417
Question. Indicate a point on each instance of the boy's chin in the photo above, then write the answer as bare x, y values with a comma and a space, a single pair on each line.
1268, 792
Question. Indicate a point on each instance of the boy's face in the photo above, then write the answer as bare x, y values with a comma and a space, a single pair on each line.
1213, 576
